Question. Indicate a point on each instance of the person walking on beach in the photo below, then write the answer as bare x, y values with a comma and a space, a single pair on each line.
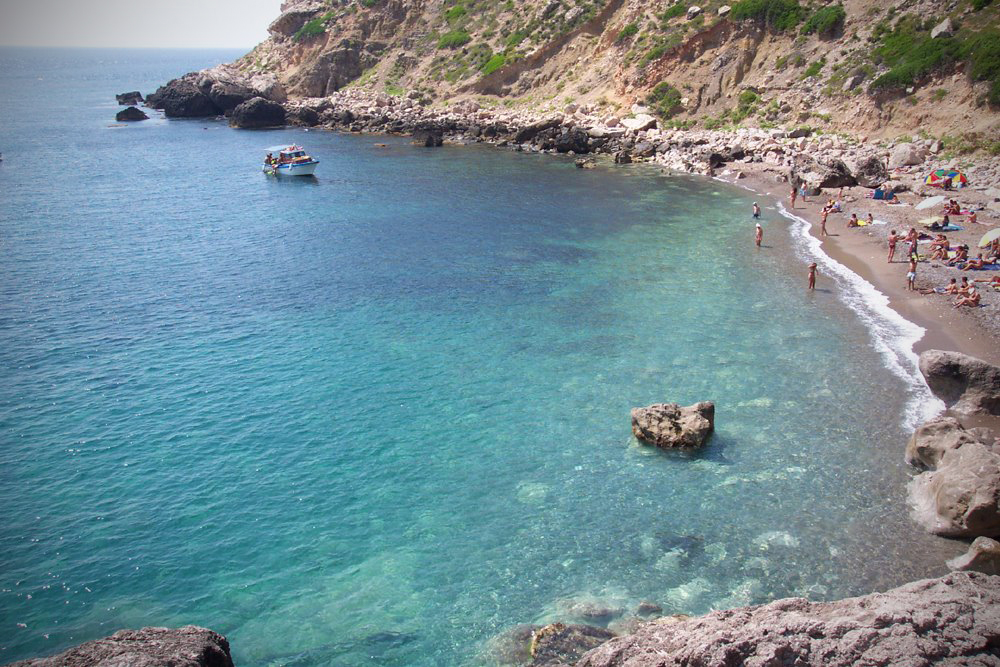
812, 276
759, 234
802, 192
822, 223
911, 275
893, 239
795, 193
756, 211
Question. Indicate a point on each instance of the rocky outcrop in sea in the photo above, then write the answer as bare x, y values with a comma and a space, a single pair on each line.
189, 646
670, 425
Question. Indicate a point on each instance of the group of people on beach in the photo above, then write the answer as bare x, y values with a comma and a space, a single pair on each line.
759, 237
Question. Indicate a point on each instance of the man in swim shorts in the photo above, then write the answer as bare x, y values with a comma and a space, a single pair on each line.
911, 275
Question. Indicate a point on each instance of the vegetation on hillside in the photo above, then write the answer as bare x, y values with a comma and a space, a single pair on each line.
778, 15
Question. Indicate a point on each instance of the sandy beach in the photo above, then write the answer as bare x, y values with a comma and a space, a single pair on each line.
864, 250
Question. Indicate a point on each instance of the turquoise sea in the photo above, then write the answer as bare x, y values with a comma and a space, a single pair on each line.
380, 417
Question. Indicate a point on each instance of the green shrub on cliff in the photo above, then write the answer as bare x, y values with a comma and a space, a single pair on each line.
983, 52
679, 9
826, 21
454, 39
911, 54
665, 100
494, 63
779, 15
313, 28
626, 32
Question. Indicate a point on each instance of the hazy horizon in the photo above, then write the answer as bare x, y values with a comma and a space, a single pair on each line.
124, 24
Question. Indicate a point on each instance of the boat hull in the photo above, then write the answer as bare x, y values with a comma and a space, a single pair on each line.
298, 169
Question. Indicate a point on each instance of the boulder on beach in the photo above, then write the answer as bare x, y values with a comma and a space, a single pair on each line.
905, 155
257, 113
640, 122
966, 384
302, 116
130, 98
623, 157
670, 425
933, 438
871, 172
962, 497
575, 140
836, 175
951, 620
983, 556
530, 131
189, 646
131, 113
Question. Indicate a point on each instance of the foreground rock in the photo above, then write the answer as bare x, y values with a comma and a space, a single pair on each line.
670, 425
983, 556
189, 646
130, 98
966, 384
935, 437
213, 92
962, 497
953, 620
257, 113
131, 113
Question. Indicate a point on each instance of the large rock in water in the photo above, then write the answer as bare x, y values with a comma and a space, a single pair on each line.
189, 646
561, 643
962, 497
670, 425
131, 113
935, 437
181, 98
952, 620
966, 384
256, 113
575, 140
130, 98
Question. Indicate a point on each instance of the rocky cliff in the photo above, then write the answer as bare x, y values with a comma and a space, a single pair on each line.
883, 70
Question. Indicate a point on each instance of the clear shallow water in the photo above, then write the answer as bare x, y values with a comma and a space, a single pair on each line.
378, 418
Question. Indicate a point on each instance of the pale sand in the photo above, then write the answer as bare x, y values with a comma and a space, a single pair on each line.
864, 250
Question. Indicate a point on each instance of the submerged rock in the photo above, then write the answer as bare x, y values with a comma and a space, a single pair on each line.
189, 646
983, 556
257, 113
962, 497
670, 425
954, 619
131, 113
428, 137
560, 643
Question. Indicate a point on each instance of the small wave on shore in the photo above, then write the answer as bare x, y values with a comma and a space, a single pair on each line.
893, 335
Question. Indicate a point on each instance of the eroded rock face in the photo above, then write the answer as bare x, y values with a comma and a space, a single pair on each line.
955, 618
670, 425
836, 175
181, 98
966, 384
962, 497
256, 113
935, 437
292, 20
983, 556
189, 646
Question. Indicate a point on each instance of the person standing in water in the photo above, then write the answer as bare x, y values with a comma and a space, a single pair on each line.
756, 211
822, 223
812, 276
759, 234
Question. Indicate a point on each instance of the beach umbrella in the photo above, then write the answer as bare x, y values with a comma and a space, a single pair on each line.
938, 176
989, 236
929, 202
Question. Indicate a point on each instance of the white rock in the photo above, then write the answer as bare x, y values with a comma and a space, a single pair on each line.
640, 122
693, 11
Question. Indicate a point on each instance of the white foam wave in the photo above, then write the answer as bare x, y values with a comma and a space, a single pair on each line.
892, 334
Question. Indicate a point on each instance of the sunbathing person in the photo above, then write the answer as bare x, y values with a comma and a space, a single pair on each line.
853, 222
961, 256
950, 288
993, 281
972, 300
975, 264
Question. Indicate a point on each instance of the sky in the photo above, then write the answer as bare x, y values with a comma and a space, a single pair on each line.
136, 23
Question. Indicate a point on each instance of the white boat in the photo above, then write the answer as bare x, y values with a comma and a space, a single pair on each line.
290, 161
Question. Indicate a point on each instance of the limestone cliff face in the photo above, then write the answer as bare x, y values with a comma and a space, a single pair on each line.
608, 54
